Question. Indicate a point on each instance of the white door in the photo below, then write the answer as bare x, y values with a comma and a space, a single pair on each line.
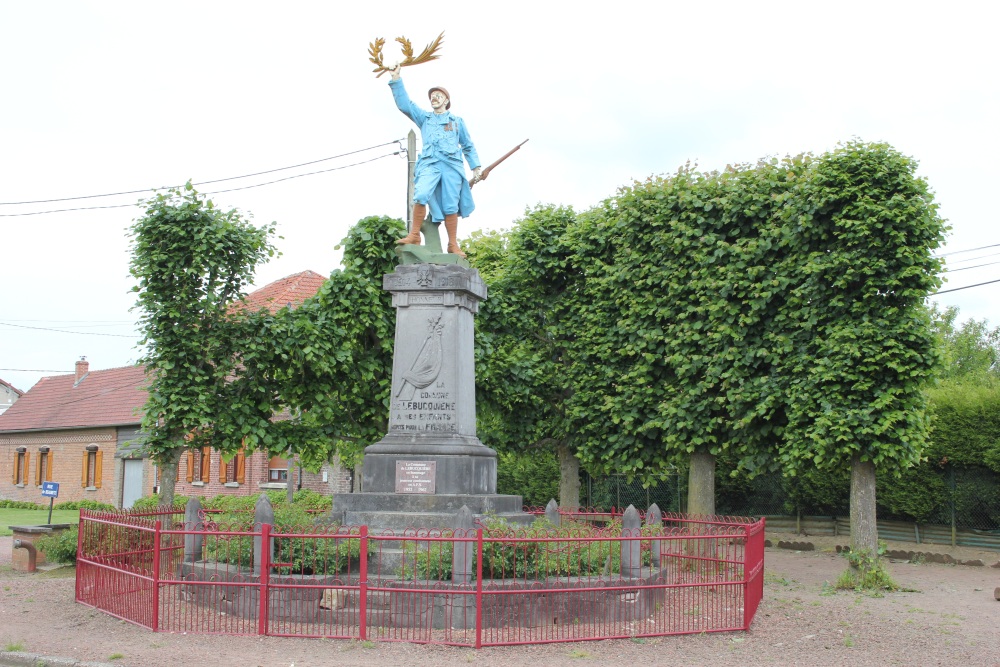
131, 482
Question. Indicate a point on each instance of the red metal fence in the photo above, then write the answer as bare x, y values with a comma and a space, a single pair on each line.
491, 585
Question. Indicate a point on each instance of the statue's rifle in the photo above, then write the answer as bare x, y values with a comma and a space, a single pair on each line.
486, 172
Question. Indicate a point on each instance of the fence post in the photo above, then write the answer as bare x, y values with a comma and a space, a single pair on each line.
263, 591
156, 574
631, 557
363, 587
954, 536
479, 588
79, 548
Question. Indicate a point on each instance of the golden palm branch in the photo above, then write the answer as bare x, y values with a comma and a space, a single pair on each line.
428, 54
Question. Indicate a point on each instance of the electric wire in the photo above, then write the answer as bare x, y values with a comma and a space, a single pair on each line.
217, 180
79, 333
214, 192
959, 289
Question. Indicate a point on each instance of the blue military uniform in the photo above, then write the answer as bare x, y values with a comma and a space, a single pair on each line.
440, 181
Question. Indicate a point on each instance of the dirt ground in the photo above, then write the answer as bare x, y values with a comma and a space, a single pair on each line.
948, 616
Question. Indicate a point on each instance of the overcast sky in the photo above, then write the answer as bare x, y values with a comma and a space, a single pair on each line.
109, 97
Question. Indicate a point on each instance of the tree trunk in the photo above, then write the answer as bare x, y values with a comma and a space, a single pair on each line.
569, 477
168, 475
864, 533
701, 483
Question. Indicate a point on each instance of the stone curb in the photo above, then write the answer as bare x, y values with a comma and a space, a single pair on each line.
925, 556
35, 660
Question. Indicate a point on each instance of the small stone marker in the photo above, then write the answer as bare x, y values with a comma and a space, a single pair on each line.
461, 558
631, 549
552, 513
263, 513
192, 521
996, 594
654, 519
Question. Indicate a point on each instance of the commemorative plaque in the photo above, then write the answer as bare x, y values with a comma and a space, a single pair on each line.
415, 476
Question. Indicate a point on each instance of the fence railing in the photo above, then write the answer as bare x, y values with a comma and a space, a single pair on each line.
486, 586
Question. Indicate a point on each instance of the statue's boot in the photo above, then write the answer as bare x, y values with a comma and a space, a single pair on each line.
413, 238
451, 224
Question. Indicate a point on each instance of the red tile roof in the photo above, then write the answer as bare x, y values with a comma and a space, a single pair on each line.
293, 289
110, 397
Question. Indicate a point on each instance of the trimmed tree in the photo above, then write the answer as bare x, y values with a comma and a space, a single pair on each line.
191, 261
522, 337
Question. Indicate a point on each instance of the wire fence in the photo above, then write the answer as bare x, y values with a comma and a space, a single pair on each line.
965, 498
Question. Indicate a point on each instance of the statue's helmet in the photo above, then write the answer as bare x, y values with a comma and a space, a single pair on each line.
447, 105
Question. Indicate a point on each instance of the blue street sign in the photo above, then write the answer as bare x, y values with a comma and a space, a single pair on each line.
50, 489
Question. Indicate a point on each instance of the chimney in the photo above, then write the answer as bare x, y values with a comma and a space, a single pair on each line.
82, 368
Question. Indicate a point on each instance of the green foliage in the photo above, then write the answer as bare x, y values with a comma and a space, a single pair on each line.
774, 311
966, 423
191, 262
971, 351
329, 361
84, 505
60, 547
523, 330
19, 504
509, 553
533, 475
149, 503
867, 572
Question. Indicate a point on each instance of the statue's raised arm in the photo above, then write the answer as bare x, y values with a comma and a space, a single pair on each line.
440, 184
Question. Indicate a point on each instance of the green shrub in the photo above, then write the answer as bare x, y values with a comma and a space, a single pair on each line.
532, 475
60, 547
21, 505
84, 505
150, 503
516, 558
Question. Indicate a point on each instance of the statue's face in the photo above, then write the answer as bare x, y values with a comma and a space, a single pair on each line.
439, 101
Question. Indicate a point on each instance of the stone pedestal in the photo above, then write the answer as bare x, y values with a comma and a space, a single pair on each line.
432, 413
431, 462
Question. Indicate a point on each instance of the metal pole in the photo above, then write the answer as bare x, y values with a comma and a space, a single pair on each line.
156, 575
363, 586
263, 591
479, 588
411, 167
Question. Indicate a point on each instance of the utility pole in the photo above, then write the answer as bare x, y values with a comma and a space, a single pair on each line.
411, 167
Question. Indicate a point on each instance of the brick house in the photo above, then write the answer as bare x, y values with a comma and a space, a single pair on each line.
8, 395
78, 430
89, 423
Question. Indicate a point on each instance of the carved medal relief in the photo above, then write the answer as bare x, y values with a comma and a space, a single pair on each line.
423, 397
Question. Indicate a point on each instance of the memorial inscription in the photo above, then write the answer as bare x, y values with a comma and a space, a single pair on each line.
415, 476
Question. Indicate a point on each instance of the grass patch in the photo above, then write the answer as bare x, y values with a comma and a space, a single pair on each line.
116, 656
19, 517
14, 647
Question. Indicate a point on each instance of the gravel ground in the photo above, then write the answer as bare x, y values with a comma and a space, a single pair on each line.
949, 617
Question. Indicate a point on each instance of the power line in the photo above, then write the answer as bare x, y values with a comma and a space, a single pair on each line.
79, 333
217, 180
215, 192
959, 289
959, 252
34, 370
966, 268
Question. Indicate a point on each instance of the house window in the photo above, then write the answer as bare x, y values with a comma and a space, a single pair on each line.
199, 468
277, 470
43, 469
21, 460
91, 477
233, 472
